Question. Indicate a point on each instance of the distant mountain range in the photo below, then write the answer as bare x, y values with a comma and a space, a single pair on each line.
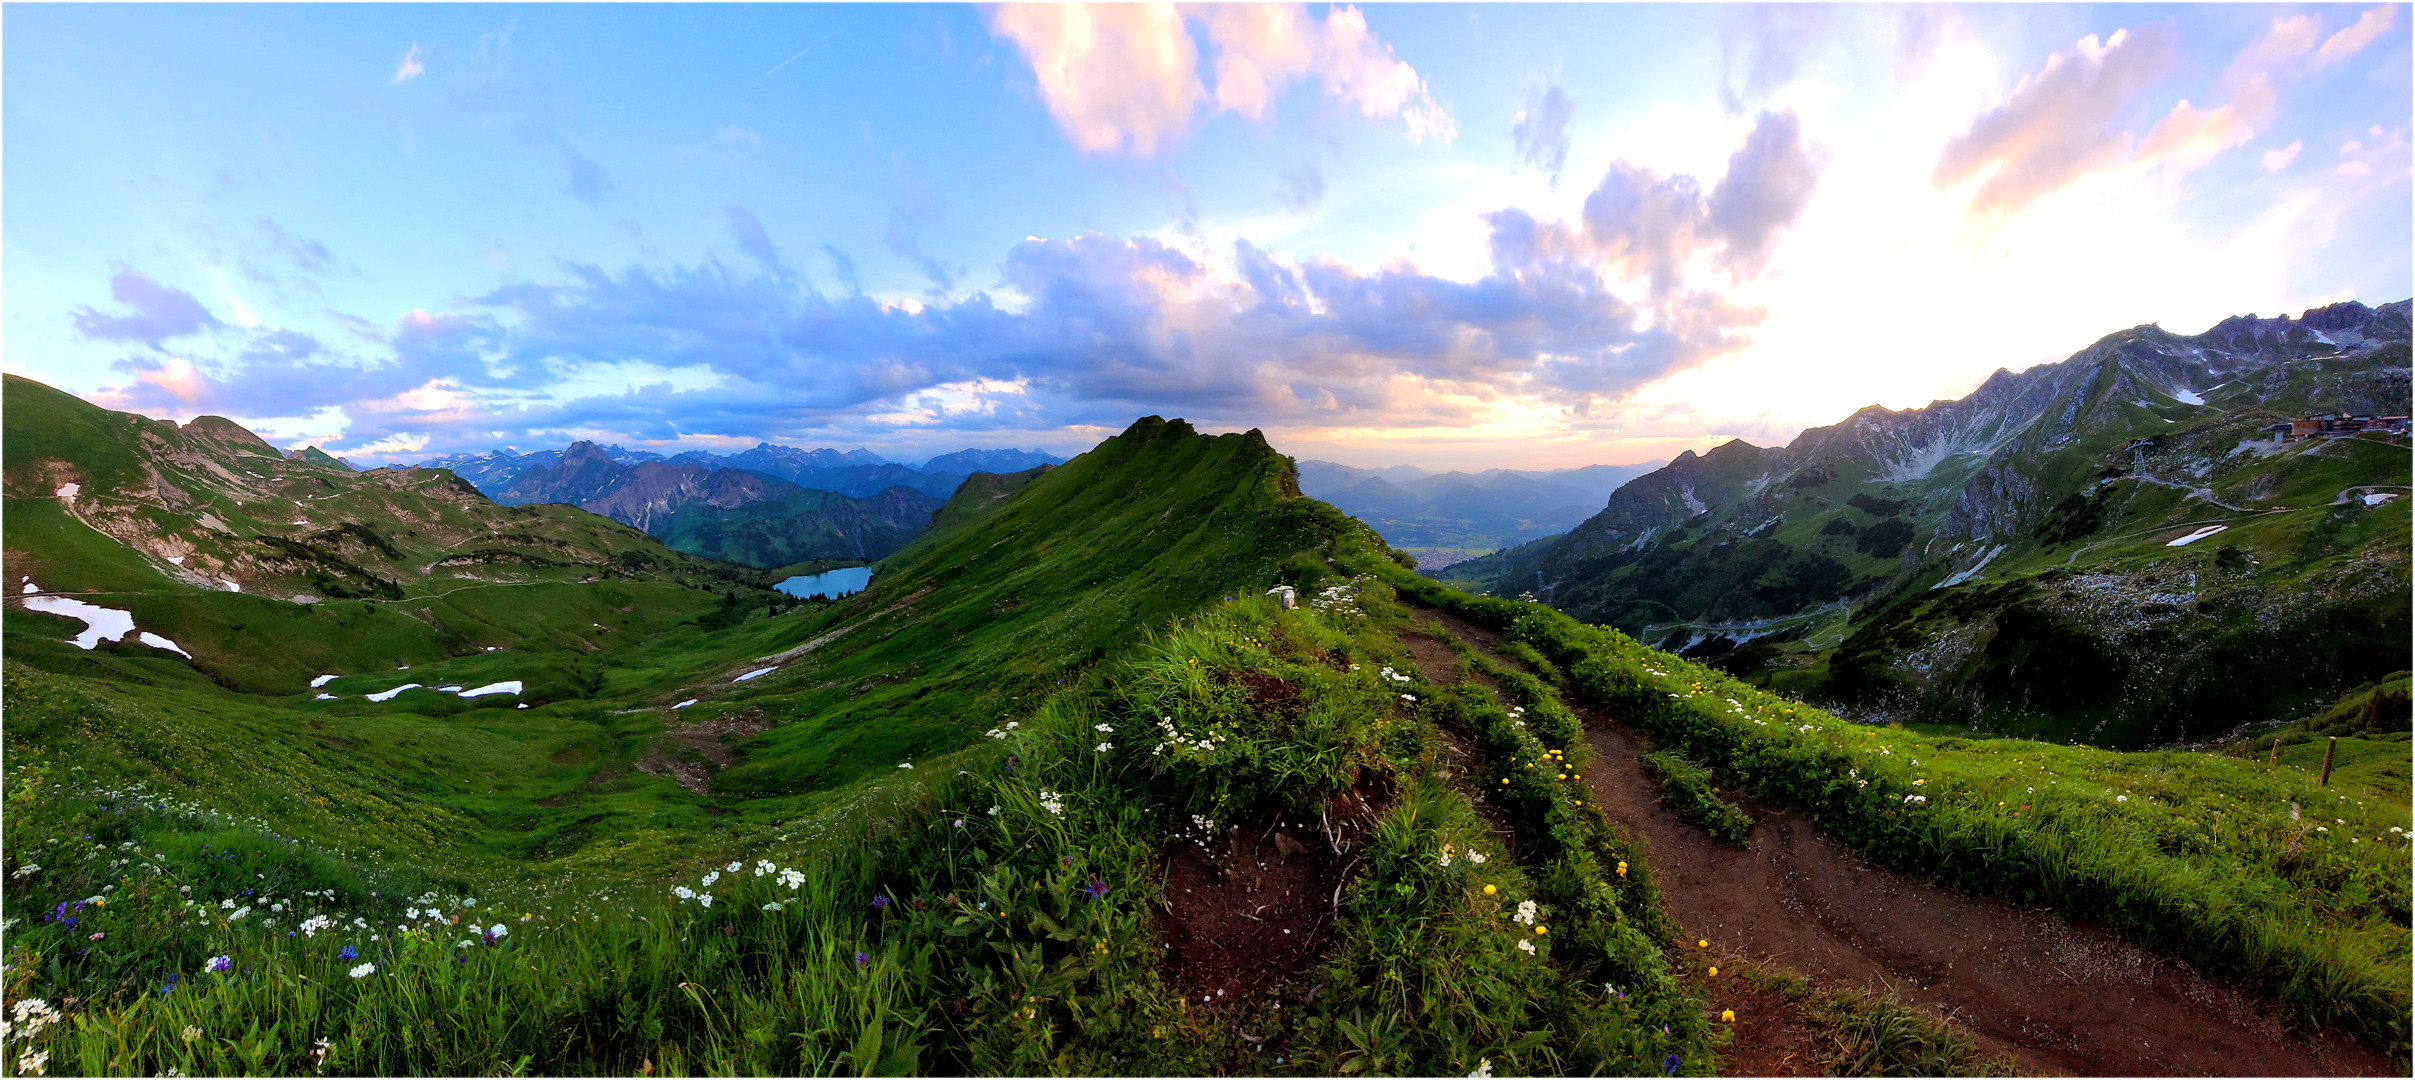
1447, 518
784, 505
2120, 546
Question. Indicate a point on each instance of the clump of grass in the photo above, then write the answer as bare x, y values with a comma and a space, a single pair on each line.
1685, 788
1880, 1035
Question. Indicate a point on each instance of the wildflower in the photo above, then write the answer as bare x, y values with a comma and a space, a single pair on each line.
220, 964
2121, 798
1542, 930
364, 971
31, 1063
1727, 1016
1714, 973
1526, 946
773, 906
1622, 868
862, 958
1701, 943
497, 932
993, 811
1105, 728
905, 764
879, 902
683, 892
1489, 890
1097, 889
1105, 746
191, 1033
710, 878
1526, 911
1484, 1070
705, 898
170, 986
764, 866
995, 733
347, 954
734, 866
792, 878
1476, 857
1669, 1066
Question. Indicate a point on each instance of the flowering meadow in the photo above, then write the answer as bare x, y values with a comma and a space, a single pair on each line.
2256, 874
995, 910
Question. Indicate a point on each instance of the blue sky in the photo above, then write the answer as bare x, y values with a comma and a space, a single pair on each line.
1454, 236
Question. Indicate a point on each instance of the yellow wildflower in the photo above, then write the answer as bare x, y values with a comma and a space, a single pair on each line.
1727, 1016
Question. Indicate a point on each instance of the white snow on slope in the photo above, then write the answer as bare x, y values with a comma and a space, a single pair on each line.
509, 686
2196, 536
685, 704
388, 695
100, 623
157, 642
2189, 396
321, 681
757, 673
69, 491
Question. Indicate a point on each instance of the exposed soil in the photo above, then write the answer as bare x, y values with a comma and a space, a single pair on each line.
1247, 905
691, 753
2063, 995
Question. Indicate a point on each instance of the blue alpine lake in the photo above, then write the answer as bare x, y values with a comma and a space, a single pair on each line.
833, 584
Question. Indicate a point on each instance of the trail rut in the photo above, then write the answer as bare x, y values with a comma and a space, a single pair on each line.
2064, 995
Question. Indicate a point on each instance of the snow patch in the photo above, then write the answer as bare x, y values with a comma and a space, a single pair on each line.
1960, 576
100, 623
2376, 498
157, 642
2196, 536
69, 491
508, 686
685, 704
322, 681
2188, 396
388, 695
177, 559
31, 588
326, 697
755, 674
230, 586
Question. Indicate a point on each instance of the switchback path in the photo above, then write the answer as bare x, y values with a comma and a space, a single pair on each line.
2064, 996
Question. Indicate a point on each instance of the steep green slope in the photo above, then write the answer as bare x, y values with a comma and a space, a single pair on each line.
1957, 564
977, 497
1078, 565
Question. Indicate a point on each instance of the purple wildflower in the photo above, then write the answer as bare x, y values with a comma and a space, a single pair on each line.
347, 954
1097, 889
862, 958
879, 902
221, 964
1670, 1066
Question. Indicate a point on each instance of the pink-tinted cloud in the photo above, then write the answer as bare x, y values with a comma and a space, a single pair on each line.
2068, 119
2357, 35
411, 67
1117, 77
1126, 78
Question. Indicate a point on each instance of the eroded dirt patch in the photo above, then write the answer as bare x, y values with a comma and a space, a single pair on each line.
691, 753
1246, 905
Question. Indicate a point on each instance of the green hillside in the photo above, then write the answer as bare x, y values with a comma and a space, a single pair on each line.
809, 526
1952, 565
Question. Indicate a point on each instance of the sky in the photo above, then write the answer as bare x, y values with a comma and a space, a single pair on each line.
1444, 235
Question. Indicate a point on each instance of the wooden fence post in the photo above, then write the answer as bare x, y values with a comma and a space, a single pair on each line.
2327, 751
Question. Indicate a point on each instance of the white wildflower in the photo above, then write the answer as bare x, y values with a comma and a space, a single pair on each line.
1105, 746
1525, 946
1526, 912
363, 971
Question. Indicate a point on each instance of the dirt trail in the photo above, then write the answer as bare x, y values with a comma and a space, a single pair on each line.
2063, 996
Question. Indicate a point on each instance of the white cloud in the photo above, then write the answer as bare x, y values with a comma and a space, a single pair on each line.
1125, 78
2277, 160
2059, 123
2357, 35
410, 68
1115, 76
